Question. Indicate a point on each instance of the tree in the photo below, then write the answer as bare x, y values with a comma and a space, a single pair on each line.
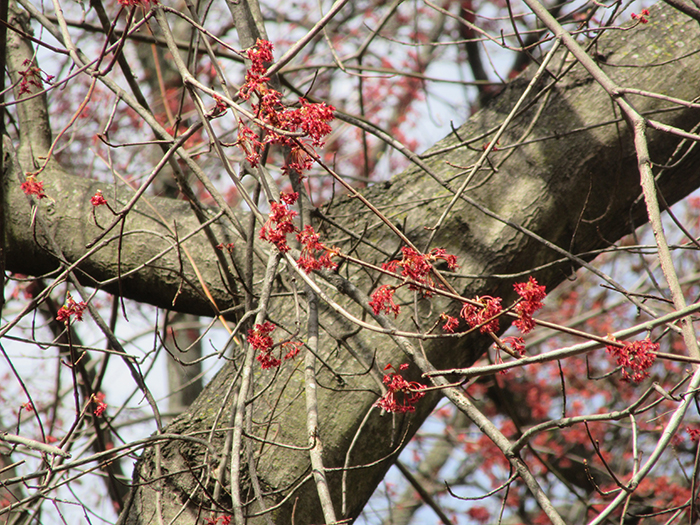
537, 184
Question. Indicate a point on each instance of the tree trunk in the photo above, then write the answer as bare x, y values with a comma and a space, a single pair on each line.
572, 181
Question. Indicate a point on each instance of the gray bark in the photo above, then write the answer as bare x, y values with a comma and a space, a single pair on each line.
574, 183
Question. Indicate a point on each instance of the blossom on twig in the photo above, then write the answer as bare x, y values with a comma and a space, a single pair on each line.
642, 17
310, 246
310, 120
31, 186
229, 247
517, 344
383, 301
451, 323
259, 338
292, 348
100, 406
280, 222
484, 315
98, 199
32, 76
532, 295
635, 358
418, 266
71, 308
402, 395
249, 143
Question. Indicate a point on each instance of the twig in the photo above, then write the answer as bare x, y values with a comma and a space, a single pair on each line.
33, 444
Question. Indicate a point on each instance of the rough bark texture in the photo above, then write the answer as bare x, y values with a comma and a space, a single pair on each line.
574, 183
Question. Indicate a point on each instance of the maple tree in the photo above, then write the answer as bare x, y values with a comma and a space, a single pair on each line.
490, 278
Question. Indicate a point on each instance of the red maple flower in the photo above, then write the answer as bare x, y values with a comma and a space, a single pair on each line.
312, 119
98, 199
289, 198
635, 358
32, 76
279, 223
229, 247
31, 186
402, 395
441, 253
259, 338
417, 266
451, 323
100, 405
694, 433
221, 106
297, 160
479, 514
414, 265
129, 3
292, 348
309, 121
260, 55
517, 344
310, 246
249, 143
484, 315
383, 300
71, 308
532, 295
642, 17
225, 520
268, 361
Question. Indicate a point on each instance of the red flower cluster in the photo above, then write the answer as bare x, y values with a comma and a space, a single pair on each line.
485, 315
98, 199
517, 348
532, 295
142, 3
225, 520
635, 359
69, 309
694, 433
249, 142
383, 300
220, 108
292, 348
228, 247
310, 245
100, 405
517, 344
402, 395
642, 17
32, 76
129, 3
479, 514
451, 323
310, 119
259, 338
279, 222
31, 186
417, 266
255, 81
